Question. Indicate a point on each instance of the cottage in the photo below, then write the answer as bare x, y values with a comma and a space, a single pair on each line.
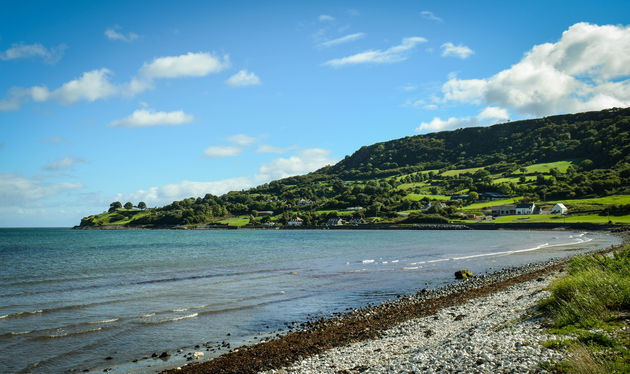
334, 222
264, 213
525, 208
297, 221
503, 210
357, 221
559, 209
353, 208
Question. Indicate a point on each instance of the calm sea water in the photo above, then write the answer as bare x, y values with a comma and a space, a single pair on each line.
69, 299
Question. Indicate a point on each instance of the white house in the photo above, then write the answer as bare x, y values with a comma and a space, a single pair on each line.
334, 222
527, 208
559, 209
297, 221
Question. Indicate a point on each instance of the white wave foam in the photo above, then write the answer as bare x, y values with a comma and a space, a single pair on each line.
104, 321
411, 268
176, 318
367, 261
74, 333
394, 261
148, 315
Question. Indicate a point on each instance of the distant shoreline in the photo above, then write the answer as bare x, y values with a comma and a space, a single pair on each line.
454, 226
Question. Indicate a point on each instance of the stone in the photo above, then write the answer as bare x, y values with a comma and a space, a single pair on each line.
197, 355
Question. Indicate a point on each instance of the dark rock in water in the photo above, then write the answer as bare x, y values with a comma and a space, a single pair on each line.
109, 358
135, 360
460, 317
154, 355
197, 346
165, 355
463, 274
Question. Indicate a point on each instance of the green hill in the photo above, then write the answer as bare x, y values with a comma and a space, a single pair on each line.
584, 155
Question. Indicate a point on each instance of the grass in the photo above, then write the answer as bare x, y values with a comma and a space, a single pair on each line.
235, 221
528, 178
453, 173
543, 168
585, 307
487, 204
418, 197
585, 218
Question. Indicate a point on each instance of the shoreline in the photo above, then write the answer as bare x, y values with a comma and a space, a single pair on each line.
366, 324
545, 226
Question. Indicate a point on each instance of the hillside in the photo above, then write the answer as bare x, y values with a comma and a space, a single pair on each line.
578, 156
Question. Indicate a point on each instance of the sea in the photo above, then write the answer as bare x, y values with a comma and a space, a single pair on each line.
75, 300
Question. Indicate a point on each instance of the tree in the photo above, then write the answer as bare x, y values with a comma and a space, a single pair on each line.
142, 205
128, 205
472, 197
115, 205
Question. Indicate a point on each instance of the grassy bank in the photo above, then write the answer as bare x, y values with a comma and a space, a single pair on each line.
590, 313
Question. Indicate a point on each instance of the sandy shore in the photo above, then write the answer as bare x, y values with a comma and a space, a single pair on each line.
482, 324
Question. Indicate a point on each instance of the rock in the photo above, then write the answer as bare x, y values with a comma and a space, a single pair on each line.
197, 355
109, 358
165, 355
154, 355
460, 317
463, 274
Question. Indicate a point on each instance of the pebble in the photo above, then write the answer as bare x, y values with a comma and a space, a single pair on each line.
492, 334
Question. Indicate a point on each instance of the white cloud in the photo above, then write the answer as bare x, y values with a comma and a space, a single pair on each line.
241, 139
306, 161
112, 34
587, 69
56, 140
342, 40
157, 196
19, 191
488, 116
264, 148
325, 18
243, 78
220, 151
147, 118
95, 85
430, 16
393, 54
19, 51
91, 86
460, 51
188, 65
63, 163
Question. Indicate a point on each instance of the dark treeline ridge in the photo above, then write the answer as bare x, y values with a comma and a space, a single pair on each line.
382, 178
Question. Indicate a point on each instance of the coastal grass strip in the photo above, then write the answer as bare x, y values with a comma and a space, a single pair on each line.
355, 326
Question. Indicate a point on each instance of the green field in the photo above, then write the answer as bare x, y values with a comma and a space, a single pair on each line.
589, 218
418, 197
562, 166
453, 173
236, 221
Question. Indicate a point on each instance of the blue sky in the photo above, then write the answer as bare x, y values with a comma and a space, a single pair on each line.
157, 101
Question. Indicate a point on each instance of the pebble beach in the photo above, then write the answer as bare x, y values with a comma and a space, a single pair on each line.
484, 324
491, 334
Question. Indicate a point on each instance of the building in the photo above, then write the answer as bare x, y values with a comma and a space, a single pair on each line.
525, 208
334, 222
297, 221
503, 210
263, 213
459, 197
559, 209
357, 221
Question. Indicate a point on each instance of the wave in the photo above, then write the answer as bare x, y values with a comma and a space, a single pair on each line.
103, 321
149, 281
22, 314
67, 334
367, 261
171, 319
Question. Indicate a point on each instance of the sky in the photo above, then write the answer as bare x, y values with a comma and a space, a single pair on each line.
157, 101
